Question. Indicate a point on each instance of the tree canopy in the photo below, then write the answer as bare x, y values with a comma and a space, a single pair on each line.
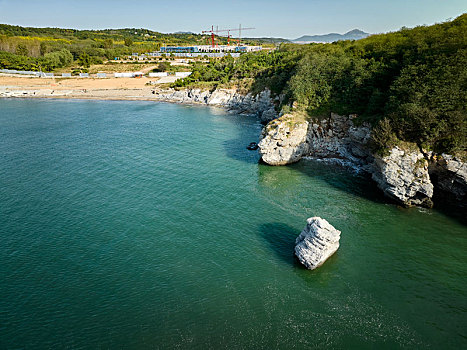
411, 85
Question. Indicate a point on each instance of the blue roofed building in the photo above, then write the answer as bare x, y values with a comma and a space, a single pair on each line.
170, 49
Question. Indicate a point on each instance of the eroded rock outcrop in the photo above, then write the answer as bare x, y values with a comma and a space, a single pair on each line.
260, 105
449, 175
316, 243
403, 176
287, 139
338, 137
284, 140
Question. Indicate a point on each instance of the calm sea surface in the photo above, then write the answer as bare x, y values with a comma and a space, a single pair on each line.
146, 225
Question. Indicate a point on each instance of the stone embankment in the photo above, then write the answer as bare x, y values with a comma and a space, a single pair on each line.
316, 243
260, 105
406, 175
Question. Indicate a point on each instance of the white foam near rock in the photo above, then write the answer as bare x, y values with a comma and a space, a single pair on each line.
316, 243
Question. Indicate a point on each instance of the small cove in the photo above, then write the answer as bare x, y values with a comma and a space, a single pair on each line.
142, 224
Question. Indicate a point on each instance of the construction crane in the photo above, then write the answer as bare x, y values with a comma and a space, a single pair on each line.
215, 32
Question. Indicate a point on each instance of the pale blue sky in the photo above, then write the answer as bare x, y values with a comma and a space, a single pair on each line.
285, 18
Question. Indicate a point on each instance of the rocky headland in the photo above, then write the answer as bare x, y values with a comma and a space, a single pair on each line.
260, 105
289, 138
405, 174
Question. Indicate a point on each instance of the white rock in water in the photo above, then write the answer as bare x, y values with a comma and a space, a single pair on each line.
317, 242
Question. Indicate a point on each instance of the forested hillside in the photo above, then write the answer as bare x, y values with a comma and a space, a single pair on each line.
410, 84
27, 48
50, 48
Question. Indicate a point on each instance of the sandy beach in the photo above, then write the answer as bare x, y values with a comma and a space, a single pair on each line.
90, 88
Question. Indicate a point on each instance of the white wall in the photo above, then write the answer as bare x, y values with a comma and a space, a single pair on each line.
125, 75
182, 74
158, 74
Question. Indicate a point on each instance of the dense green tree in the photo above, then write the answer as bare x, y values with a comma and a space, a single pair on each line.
43, 48
108, 43
128, 41
84, 60
21, 50
162, 67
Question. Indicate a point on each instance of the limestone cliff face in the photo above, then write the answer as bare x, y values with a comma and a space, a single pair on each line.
449, 175
338, 137
403, 176
261, 105
284, 140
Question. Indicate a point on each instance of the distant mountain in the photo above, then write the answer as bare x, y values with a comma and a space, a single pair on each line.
355, 34
183, 33
269, 40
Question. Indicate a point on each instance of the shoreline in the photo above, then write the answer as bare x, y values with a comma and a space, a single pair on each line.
124, 98
97, 98
138, 89
116, 99
324, 148
85, 88
118, 96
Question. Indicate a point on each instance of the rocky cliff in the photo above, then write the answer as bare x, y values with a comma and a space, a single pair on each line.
289, 138
260, 105
338, 137
405, 174
284, 140
449, 175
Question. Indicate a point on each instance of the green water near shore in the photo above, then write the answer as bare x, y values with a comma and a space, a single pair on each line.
148, 225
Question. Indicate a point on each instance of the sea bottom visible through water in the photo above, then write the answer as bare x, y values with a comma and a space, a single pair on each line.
148, 225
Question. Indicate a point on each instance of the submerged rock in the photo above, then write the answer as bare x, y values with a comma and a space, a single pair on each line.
253, 146
316, 243
403, 176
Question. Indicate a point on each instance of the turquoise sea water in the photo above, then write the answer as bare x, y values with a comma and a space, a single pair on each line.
140, 225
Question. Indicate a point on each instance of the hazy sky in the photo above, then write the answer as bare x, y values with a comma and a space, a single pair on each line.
285, 18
